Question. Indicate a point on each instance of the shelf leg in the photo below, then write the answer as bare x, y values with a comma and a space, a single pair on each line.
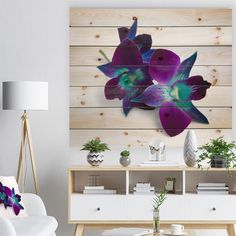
79, 229
231, 230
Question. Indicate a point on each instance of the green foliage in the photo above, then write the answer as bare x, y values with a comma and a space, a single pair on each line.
95, 145
217, 148
159, 199
125, 153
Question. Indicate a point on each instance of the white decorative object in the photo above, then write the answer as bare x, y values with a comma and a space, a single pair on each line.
190, 148
157, 150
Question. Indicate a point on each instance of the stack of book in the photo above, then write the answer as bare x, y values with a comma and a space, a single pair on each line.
212, 188
98, 190
143, 188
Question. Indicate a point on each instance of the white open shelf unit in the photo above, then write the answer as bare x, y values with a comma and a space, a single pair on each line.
124, 179
185, 206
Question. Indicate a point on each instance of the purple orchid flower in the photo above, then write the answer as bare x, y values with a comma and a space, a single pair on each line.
135, 66
174, 91
129, 75
143, 41
10, 199
3, 195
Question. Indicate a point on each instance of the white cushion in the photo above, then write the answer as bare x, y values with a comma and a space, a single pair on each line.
10, 182
35, 225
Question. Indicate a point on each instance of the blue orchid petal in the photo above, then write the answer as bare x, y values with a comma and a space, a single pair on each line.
147, 55
133, 30
111, 70
153, 96
127, 105
193, 112
185, 68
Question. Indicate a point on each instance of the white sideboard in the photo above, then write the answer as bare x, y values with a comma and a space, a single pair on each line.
184, 206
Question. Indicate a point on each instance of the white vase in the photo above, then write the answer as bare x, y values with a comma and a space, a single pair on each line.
190, 148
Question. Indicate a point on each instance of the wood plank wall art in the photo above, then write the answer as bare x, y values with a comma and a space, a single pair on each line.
183, 31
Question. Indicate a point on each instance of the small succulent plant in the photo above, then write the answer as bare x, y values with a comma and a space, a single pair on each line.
125, 153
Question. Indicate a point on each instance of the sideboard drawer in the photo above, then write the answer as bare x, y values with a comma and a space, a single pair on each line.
140, 207
97, 207
210, 207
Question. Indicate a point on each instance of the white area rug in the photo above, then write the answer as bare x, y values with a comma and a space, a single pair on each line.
93, 232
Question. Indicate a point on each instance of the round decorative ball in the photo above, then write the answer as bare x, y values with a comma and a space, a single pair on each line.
190, 148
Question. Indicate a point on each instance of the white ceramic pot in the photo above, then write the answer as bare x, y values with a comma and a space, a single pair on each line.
125, 160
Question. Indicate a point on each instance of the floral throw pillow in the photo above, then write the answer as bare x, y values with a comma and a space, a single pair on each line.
9, 198
11, 205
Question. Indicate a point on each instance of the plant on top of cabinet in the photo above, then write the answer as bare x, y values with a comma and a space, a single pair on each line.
218, 153
125, 159
158, 200
96, 148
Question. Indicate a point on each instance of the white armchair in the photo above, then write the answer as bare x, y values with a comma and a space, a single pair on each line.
36, 224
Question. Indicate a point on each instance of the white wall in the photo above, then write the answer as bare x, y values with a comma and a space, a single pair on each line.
34, 46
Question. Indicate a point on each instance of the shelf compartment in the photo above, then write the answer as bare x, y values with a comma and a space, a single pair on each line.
108, 179
193, 178
156, 178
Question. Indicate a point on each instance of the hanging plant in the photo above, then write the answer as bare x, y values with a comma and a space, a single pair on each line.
151, 79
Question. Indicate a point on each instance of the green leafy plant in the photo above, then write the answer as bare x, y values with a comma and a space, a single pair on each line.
157, 202
217, 148
125, 153
159, 199
95, 145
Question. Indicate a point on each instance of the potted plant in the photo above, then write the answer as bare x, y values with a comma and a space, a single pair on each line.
125, 159
96, 148
157, 202
218, 154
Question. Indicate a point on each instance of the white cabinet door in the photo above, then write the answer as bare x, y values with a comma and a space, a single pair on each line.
97, 207
210, 207
140, 207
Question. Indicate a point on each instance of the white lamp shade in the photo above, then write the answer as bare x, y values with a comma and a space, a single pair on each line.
25, 95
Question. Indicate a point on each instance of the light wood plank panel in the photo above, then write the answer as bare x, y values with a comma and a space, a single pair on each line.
113, 118
161, 36
91, 76
94, 97
221, 55
141, 138
150, 17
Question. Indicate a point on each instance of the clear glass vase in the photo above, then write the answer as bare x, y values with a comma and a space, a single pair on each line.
156, 222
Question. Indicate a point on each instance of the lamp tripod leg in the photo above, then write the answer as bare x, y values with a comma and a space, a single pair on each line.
32, 158
21, 157
20, 170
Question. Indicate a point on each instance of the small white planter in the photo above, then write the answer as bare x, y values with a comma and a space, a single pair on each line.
95, 158
125, 160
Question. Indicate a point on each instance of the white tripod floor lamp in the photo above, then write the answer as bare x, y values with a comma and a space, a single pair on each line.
25, 95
